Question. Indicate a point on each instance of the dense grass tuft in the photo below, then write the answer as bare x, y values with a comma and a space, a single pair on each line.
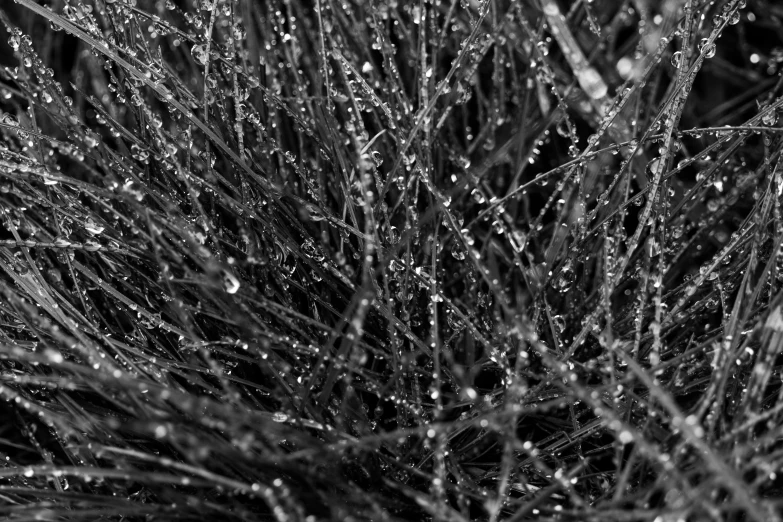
391, 260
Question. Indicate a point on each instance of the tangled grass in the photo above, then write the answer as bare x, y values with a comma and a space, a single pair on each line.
385, 260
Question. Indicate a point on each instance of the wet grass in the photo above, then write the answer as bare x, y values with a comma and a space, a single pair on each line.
385, 260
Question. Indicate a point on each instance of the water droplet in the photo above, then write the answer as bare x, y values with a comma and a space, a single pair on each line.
91, 245
9, 120
93, 228
199, 52
464, 93
677, 59
394, 235
565, 279
559, 322
238, 32
562, 128
230, 282
15, 41
394, 265
706, 48
313, 252
770, 117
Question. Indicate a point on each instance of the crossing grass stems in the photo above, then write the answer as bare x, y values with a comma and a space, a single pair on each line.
384, 260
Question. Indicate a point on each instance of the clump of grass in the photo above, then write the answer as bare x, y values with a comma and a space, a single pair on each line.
385, 260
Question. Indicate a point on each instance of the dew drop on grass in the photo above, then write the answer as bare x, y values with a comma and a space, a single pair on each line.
279, 416
377, 158
559, 322
15, 41
230, 282
394, 235
706, 48
93, 228
565, 279
458, 252
770, 117
677, 59
464, 93
199, 52
9, 120
313, 252
562, 129
393, 264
